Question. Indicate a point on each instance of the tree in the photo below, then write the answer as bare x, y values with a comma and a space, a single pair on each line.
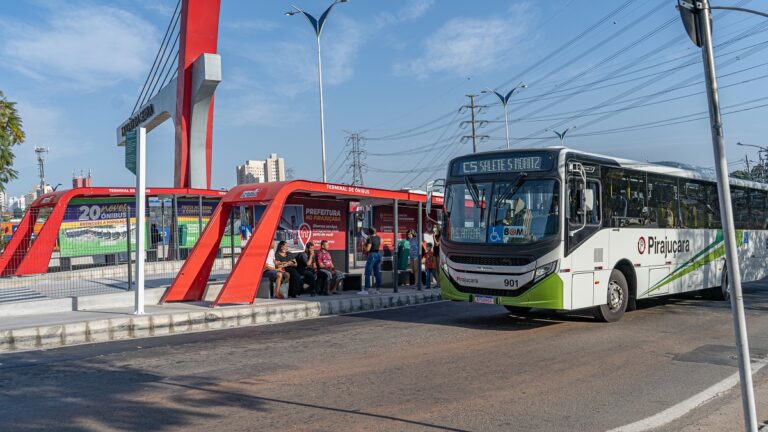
11, 134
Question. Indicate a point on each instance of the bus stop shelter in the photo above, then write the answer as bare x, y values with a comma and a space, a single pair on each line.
29, 250
321, 213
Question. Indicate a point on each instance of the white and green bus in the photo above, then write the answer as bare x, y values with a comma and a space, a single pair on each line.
566, 230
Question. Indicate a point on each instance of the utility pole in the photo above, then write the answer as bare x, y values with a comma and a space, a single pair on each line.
476, 124
749, 172
356, 156
40, 152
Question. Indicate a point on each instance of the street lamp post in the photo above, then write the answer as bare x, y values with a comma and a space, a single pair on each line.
697, 19
317, 25
561, 135
504, 100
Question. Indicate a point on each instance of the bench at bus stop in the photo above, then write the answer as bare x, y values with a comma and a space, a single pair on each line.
352, 282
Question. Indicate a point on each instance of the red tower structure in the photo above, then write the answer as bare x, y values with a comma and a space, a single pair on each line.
188, 99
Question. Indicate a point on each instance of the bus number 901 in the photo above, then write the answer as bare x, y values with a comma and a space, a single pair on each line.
510, 283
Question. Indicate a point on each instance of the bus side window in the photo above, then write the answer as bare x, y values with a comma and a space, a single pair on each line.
758, 209
713, 206
625, 198
662, 202
741, 205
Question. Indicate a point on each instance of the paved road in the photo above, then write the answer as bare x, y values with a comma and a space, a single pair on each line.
444, 366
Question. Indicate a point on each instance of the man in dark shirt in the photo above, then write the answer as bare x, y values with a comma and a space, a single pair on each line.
306, 265
373, 262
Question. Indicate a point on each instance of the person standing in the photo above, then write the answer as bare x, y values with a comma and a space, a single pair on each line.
307, 266
413, 255
436, 253
429, 265
333, 278
372, 262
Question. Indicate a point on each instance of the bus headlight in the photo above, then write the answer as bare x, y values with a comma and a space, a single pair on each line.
543, 271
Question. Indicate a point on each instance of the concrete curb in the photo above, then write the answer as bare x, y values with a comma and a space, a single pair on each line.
163, 324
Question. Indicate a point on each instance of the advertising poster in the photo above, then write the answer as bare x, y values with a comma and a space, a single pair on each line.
383, 221
307, 219
188, 211
97, 226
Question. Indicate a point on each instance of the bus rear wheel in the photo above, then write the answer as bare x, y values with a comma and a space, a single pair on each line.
618, 297
719, 293
518, 310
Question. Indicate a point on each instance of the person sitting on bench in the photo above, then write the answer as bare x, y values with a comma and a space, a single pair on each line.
307, 268
332, 277
276, 277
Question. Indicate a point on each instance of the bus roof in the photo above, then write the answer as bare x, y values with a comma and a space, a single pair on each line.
671, 168
677, 169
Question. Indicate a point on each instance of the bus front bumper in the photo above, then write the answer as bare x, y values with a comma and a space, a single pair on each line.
545, 294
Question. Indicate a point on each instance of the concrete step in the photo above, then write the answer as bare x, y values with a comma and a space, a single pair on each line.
185, 318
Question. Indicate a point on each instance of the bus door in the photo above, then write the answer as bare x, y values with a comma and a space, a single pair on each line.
665, 232
584, 221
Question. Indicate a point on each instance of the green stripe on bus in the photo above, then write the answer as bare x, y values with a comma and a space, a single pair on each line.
709, 255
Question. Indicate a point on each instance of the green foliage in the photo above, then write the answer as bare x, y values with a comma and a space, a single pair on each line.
757, 173
11, 134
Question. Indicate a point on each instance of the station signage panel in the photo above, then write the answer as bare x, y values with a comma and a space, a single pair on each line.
495, 164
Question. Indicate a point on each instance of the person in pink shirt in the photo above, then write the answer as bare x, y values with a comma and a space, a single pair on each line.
332, 277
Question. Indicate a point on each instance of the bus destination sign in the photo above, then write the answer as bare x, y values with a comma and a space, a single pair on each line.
502, 164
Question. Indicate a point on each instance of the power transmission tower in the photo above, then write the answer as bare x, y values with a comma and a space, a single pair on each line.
356, 156
40, 152
476, 124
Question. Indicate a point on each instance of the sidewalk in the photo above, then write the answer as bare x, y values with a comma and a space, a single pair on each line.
52, 330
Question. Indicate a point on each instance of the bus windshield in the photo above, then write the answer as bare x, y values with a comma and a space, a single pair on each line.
517, 211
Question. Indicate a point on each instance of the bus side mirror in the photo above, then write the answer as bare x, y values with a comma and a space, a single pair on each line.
431, 188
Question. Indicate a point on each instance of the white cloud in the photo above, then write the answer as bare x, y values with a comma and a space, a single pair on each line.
82, 46
292, 65
465, 46
412, 11
258, 25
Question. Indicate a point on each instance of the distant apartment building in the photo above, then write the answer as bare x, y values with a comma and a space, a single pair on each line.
261, 171
32, 195
251, 172
274, 168
16, 203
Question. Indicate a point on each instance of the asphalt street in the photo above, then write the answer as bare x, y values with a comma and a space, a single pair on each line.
444, 366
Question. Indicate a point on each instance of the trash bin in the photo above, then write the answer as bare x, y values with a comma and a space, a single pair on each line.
183, 232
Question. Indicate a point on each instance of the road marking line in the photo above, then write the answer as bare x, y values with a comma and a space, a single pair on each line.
676, 411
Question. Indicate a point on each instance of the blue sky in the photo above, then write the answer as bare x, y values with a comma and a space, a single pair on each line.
397, 70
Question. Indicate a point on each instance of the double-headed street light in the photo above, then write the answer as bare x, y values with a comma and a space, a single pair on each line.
317, 25
561, 135
504, 100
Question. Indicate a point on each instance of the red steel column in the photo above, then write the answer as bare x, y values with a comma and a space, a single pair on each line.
199, 34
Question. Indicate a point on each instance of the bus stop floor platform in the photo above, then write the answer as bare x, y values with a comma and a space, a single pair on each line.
52, 330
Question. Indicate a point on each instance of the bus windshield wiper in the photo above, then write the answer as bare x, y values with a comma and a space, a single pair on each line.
473, 191
511, 189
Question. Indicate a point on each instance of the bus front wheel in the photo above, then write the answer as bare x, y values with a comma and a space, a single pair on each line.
518, 310
618, 297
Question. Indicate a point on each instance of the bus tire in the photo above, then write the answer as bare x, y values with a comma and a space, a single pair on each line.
618, 297
721, 293
518, 310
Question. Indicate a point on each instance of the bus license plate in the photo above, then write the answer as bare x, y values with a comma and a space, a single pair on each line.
484, 299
